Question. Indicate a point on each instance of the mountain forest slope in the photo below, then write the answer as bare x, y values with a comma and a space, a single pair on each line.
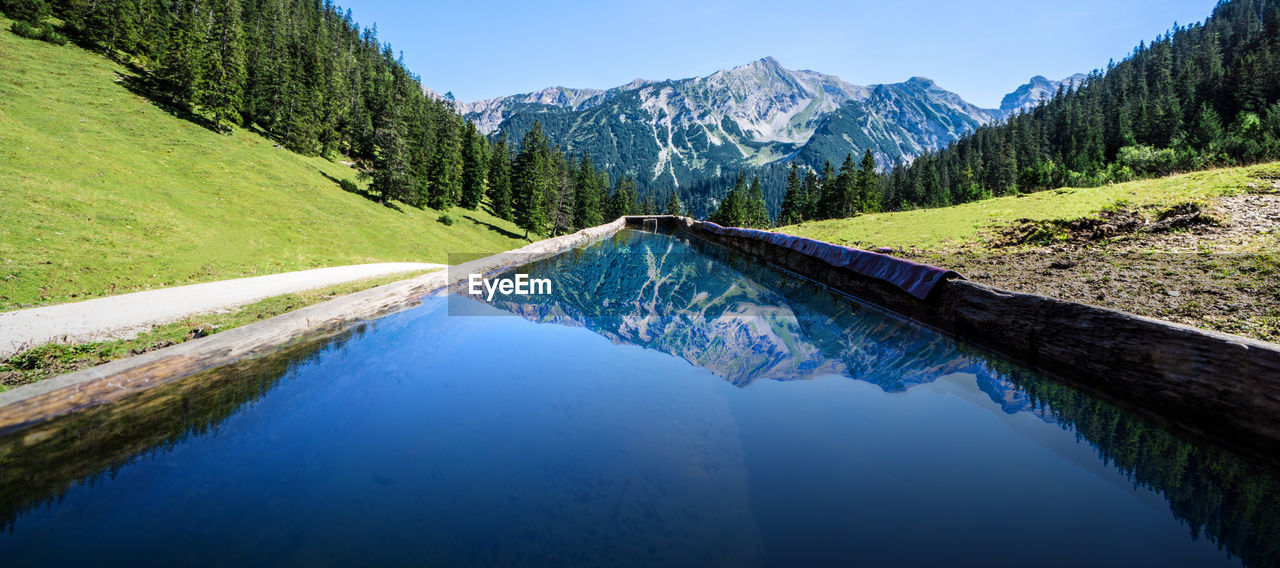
1199, 96
104, 191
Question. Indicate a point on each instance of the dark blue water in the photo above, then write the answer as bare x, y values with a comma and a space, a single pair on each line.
786, 426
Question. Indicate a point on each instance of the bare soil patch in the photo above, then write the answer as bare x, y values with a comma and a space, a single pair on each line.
1214, 265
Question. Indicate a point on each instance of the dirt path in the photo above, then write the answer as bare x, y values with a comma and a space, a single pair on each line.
128, 314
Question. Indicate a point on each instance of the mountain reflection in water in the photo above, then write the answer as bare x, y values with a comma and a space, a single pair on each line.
740, 319
409, 439
743, 320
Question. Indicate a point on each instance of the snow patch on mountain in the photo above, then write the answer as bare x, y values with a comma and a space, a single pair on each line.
752, 114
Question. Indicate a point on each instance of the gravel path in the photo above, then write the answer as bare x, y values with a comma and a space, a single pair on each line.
128, 314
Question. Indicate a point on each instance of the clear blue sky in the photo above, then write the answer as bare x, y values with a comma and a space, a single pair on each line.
980, 49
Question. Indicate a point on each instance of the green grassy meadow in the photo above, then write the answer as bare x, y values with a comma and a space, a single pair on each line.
104, 192
946, 227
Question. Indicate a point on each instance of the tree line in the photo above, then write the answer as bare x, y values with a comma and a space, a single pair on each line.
304, 74
300, 72
809, 195
546, 192
1199, 96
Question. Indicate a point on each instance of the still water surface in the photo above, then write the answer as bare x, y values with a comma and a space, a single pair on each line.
712, 411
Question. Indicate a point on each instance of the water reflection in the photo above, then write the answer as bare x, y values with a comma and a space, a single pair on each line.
743, 321
738, 319
39, 464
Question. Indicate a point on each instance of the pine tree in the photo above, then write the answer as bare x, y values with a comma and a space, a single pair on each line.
220, 82
473, 167
755, 213
565, 206
529, 184
590, 193
500, 179
624, 200
830, 196
391, 175
444, 176
180, 63
868, 184
792, 212
809, 196
674, 207
731, 212
32, 11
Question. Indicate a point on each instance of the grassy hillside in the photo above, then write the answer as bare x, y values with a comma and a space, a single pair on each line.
941, 228
103, 192
1214, 265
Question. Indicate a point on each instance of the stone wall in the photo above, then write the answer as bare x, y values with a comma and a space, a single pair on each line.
1221, 386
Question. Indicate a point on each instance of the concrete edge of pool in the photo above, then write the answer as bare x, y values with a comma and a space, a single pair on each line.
1215, 385
1219, 386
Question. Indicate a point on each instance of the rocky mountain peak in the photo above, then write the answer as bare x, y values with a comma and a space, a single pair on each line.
674, 132
1037, 89
636, 84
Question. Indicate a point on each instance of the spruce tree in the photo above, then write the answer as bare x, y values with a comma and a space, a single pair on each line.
473, 167
31, 11
529, 182
500, 179
1208, 129
674, 207
624, 200
444, 175
755, 213
180, 63
868, 184
391, 174
844, 197
268, 69
565, 196
828, 200
220, 83
731, 212
590, 193
109, 25
793, 200
810, 195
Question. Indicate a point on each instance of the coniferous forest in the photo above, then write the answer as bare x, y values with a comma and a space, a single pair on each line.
305, 74
1199, 96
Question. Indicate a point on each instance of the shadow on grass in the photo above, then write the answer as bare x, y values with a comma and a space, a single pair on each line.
494, 228
361, 192
154, 91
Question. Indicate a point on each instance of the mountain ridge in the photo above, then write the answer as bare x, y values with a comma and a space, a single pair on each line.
677, 131
1038, 88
